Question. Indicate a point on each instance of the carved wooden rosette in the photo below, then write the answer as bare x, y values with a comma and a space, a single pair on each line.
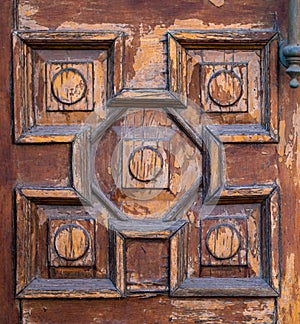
149, 170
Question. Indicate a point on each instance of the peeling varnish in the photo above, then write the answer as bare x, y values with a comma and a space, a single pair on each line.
296, 141
25, 13
209, 311
289, 145
259, 315
192, 24
148, 60
290, 300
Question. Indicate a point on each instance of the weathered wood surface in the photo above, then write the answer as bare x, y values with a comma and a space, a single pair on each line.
247, 166
225, 287
158, 310
62, 288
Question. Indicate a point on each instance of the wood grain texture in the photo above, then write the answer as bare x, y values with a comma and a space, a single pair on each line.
225, 287
65, 288
215, 71
8, 307
59, 79
249, 166
158, 310
289, 302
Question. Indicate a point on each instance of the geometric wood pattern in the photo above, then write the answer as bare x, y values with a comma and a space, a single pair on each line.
139, 218
89, 69
151, 243
215, 71
50, 267
71, 242
130, 238
59, 78
70, 86
139, 175
265, 282
145, 164
224, 87
224, 241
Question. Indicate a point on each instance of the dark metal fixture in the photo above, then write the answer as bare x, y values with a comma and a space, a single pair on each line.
290, 51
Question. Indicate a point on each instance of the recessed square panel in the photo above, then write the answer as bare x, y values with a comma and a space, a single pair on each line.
60, 78
147, 264
224, 87
148, 257
217, 72
224, 241
70, 86
145, 164
71, 242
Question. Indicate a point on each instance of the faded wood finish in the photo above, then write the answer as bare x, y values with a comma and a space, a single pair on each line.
150, 163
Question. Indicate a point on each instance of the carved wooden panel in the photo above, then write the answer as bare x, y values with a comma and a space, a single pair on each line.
70, 86
71, 242
59, 78
149, 209
224, 85
144, 151
58, 247
145, 164
148, 257
217, 72
224, 242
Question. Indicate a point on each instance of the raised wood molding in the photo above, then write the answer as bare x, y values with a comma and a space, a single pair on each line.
180, 42
268, 285
224, 287
70, 288
29, 284
28, 126
173, 234
145, 98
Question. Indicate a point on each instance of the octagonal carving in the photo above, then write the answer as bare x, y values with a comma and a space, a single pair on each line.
141, 164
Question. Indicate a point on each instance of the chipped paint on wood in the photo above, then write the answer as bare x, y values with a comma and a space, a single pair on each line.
144, 66
26, 14
253, 311
290, 300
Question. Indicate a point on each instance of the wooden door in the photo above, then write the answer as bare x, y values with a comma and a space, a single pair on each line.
150, 163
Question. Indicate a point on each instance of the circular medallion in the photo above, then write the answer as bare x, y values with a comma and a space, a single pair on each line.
225, 88
223, 241
145, 163
71, 242
68, 86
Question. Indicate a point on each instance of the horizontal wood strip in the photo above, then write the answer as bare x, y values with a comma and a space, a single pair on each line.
218, 287
70, 288
156, 98
241, 133
241, 195
238, 38
155, 229
50, 133
47, 195
93, 38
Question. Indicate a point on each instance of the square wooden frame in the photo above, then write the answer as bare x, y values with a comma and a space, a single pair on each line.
268, 284
28, 282
174, 232
266, 41
26, 128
